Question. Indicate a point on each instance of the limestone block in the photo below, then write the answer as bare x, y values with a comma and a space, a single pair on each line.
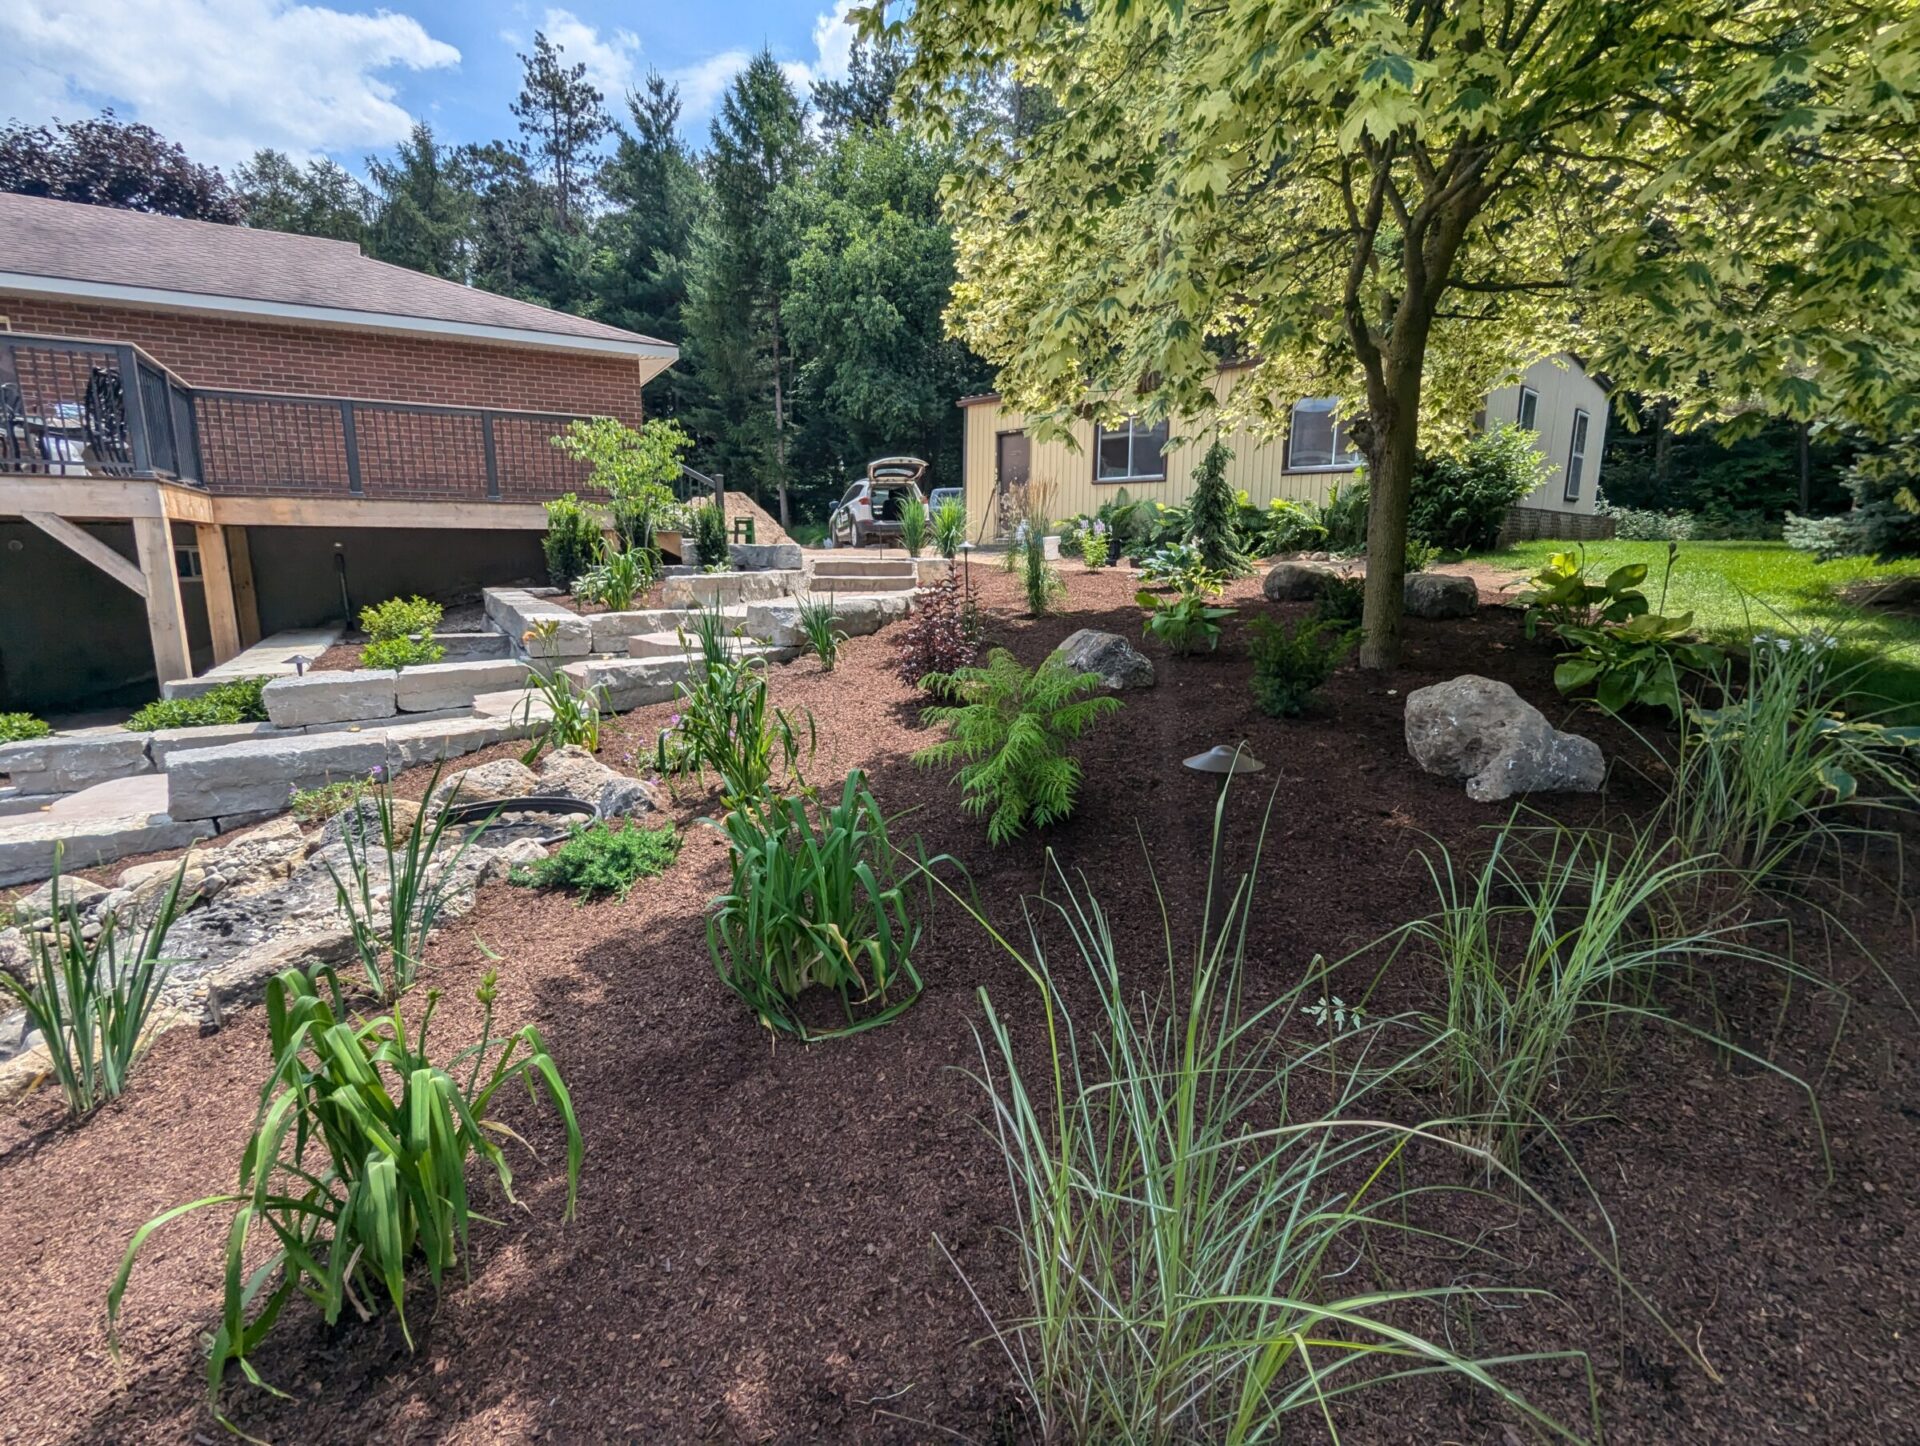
264, 773
434, 686
356, 696
166, 742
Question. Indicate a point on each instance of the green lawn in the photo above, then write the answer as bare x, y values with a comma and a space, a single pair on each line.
1735, 589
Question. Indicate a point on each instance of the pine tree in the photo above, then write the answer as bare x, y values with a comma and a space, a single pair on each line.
563, 118
425, 209
319, 200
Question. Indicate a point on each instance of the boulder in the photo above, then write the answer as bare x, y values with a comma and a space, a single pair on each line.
488, 782
75, 893
623, 797
1474, 728
362, 816
574, 773
1439, 595
1295, 582
239, 778
1108, 656
15, 957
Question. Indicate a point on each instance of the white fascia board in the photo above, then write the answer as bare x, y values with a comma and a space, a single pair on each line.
659, 354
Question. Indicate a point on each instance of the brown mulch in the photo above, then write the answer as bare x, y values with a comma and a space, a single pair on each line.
761, 1251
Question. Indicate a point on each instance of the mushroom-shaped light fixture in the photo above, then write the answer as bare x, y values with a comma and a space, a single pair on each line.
1225, 761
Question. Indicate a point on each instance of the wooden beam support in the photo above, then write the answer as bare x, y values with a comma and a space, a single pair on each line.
166, 618
216, 582
91, 548
246, 603
476, 515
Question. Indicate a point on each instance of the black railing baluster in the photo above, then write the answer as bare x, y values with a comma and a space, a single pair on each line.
350, 438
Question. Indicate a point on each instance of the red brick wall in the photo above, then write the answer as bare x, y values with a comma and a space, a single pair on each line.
246, 355
282, 449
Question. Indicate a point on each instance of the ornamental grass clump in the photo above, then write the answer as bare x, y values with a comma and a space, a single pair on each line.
726, 722
1214, 1214
1009, 729
356, 1172
819, 898
573, 712
820, 626
949, 527
913, 525
92, 1000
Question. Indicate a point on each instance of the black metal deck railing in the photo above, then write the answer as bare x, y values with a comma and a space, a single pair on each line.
78, 408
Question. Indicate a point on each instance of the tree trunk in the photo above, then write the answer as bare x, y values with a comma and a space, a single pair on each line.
1392, 442
1662, 448
779, 425
1805, 439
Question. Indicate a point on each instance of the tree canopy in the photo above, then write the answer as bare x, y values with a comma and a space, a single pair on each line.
105, 161
1713, 201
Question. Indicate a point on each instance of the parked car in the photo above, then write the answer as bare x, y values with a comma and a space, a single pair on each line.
943, 494
870, 509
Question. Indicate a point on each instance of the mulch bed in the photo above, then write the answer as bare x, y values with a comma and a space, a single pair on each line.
755, 1254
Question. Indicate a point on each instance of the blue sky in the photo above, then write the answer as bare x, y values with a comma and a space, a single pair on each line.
343, 78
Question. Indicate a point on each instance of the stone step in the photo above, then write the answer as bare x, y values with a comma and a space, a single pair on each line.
829, 584
675, 645
863, 567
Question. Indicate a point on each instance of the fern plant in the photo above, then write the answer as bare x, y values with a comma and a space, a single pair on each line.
1009, 729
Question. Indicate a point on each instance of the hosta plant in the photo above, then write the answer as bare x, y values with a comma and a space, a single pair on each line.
1008, 729
818, 899
1636, 663
1562, 596
1187, 623
356, 1172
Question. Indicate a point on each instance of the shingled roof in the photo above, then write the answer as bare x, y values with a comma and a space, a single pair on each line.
63, 248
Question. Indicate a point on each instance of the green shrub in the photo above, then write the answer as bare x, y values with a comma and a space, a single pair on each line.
1292, 660
1093, 545
1342, 518
1342, 602
816, 903
572, 540
400, 617
635, 468
1186, 623
357, 1166
1212, 511
317, 805
401, 653
1636, 663
1009, 729
949, 527
603, 858
710, 537
15, 727
913, 525
1459, 499
1635, 524
1420, 555
235, 702
1561, 596
1283, 525
1038, 577
91, 1003
1885, 520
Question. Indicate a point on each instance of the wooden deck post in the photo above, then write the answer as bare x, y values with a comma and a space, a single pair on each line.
246, 603
166, 618
216, 581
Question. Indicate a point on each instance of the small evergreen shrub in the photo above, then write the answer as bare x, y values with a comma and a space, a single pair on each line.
1213, 512
401, 653
710, 536
1292, 660
1009, 729
1885, 520
572, 540
1342, 603
1459, 499
603, 858
235, 702
934, 639
1038, 577
14, 727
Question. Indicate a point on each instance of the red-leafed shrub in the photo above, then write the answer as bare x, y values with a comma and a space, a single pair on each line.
936, 637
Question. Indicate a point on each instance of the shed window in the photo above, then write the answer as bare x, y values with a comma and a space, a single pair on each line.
1133, 453
1577, 456
1317, 438
1527, 414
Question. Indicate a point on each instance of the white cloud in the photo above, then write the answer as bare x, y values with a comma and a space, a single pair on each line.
221, 77
702, 85
612, 59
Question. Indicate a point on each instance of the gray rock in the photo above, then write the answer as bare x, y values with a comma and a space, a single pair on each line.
69, 762
517, 612
1295, 582
75, 893
625, 797
575, 773
362, 818
15, 957
162, 745
758, 557
488, 782
263, 774
1474, 728
856, 615
1439, 595
1108, 656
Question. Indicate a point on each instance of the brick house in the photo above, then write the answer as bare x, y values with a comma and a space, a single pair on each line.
208, 433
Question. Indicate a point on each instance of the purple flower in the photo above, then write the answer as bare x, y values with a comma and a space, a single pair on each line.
376, 773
